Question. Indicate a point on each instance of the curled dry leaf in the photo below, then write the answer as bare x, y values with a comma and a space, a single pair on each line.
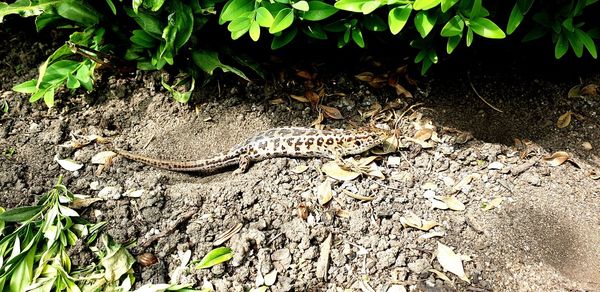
342, 213
557, 158
325, 192
414, 221
103, 157
589, 90
451, 262
133, 193
425, 145
300, 168
313, 97
277, 101
564, 120
587, 146
331, 112
465, 181
227, 234
400, 90
333, 170
358, 197
300, 98
423, 134
495, 202
305, 74
365, 76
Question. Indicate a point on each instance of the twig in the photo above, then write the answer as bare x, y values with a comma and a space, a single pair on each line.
481, 97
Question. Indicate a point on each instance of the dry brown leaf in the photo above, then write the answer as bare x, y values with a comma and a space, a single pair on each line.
589, 90
425, 145
325, 192
342, 213
313, 97
277, 101
424, 134
378, 82
557, 158
331, 112
300, 168
357, 196
465, 181
305, 74
303, 211
574, 91
365, 76
451, 262
564, 120
333, 170
400, 90
587, 146
300, 98
364, 161
103, 157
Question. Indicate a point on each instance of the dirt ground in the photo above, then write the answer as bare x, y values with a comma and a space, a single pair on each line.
543, 236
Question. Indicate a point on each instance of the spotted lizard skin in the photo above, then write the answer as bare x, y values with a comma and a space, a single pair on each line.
278, 142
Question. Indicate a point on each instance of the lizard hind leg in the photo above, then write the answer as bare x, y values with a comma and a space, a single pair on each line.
244, 164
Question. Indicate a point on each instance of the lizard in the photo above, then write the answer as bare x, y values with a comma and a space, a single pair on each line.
277, 142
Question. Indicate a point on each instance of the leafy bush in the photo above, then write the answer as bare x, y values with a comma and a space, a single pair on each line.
157, 33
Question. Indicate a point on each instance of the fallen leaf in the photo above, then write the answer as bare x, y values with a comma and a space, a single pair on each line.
400, 90
574, 91
312, 97
342, 213
442, 276
300, 98
451, 262
452, 202
423, 134
587, 146
415, 221
396, 288
103, 157
432, 234
270, 278
300, 168
358, 197
564, 120
365, 76
429, 186
277, 101
305, 74
331, 112
496, 165
69, 164
589, 90
333, 170
465, 181
557, 158
303, 211
423, 144
79, 203
495, 202
133, 193
325, 192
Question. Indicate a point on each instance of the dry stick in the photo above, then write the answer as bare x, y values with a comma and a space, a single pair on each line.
481, 97
182, 218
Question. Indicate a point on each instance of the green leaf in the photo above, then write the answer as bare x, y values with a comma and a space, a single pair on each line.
182, 97
26, 87
215, 257
398, 17
284, 38
45, 19
515, 19
254, 31
568, 24
476, 9
49, 97
117, 261
147, 22
453, 42
112, 7
283, 20
447, 4
453, 27
135, 5
78, 11
424, 22
23, 274
315, 31
155, 5
143, 39
301, 5
425, 4
72, 82
525, 5
264, 18
535, 33
561, 47
25, 8
587, 40
486, 28
357, 37
373, 22
208, 61
469, 38
425, 66
234, 9
576, 43
318, 10
370, 6
350, 5
238, 24
184, 23
20, 214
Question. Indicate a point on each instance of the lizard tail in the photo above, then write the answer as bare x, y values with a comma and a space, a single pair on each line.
202, 165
